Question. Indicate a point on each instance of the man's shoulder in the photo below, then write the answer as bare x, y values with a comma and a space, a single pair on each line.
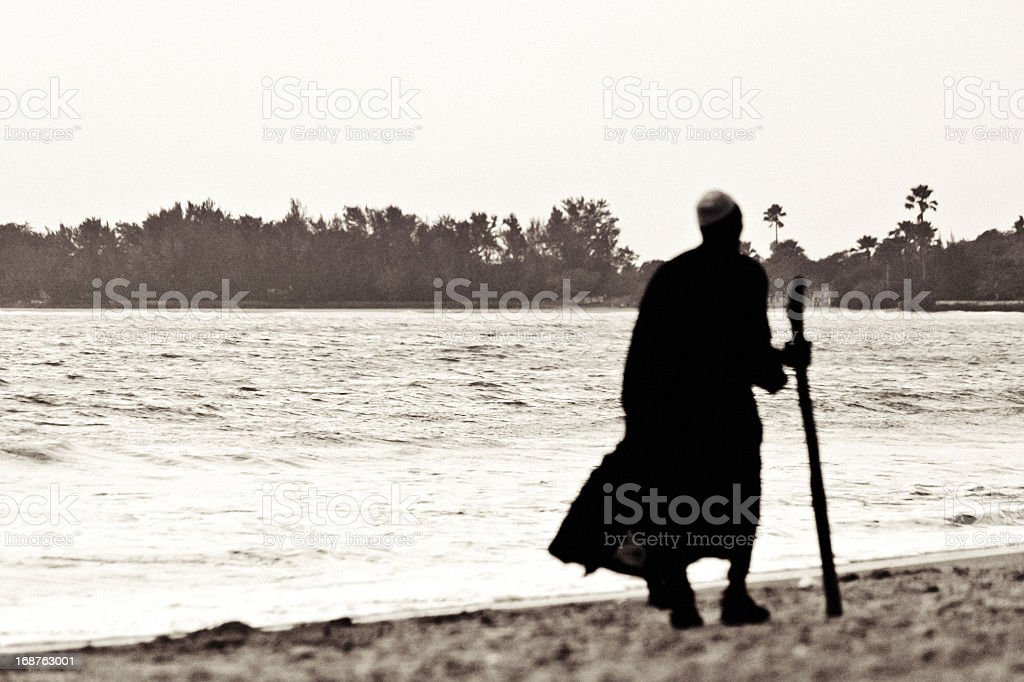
673, 269
682, 261
736, 261
752, 266
698, 263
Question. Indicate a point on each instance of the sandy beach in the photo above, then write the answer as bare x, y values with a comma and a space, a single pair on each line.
950, 618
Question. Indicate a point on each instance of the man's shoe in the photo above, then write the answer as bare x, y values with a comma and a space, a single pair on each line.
685, 616
739, 609
659, 595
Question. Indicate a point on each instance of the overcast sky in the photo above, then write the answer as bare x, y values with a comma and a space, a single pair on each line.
507, 105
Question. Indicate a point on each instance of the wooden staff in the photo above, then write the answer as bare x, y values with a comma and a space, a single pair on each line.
833, 602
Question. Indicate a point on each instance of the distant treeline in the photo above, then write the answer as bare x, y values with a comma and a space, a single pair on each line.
386, 255
362, 255
988, 268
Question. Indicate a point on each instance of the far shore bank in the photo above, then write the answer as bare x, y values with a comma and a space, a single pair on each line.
290, 305
937, 306
947, 616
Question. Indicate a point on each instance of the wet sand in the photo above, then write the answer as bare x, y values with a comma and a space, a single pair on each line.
957, 618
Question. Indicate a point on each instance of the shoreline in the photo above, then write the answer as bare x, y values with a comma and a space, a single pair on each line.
282, 641
938, 306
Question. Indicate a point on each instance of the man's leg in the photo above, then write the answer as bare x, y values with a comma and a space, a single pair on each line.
684, 608
667, 583
739, 567
669, 588
738, 608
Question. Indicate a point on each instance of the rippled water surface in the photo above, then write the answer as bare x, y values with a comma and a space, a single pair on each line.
172, 473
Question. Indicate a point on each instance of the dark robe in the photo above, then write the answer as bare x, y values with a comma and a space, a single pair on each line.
700, 342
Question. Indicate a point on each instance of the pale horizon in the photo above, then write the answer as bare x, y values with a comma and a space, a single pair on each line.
512, 114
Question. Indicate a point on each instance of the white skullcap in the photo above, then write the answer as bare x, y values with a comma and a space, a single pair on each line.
714, 206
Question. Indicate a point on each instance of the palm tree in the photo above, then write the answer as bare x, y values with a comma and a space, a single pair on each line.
919, 199
892, 251
921, 234
773, 217
866, 244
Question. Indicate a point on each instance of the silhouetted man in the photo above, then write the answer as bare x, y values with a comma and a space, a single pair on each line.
685, 482
701, 341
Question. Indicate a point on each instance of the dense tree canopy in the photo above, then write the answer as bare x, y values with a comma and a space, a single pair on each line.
362, 255
386, 255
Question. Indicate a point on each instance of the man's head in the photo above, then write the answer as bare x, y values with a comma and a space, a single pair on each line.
720, 220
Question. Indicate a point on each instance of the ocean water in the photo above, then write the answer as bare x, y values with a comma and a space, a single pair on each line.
165, 473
